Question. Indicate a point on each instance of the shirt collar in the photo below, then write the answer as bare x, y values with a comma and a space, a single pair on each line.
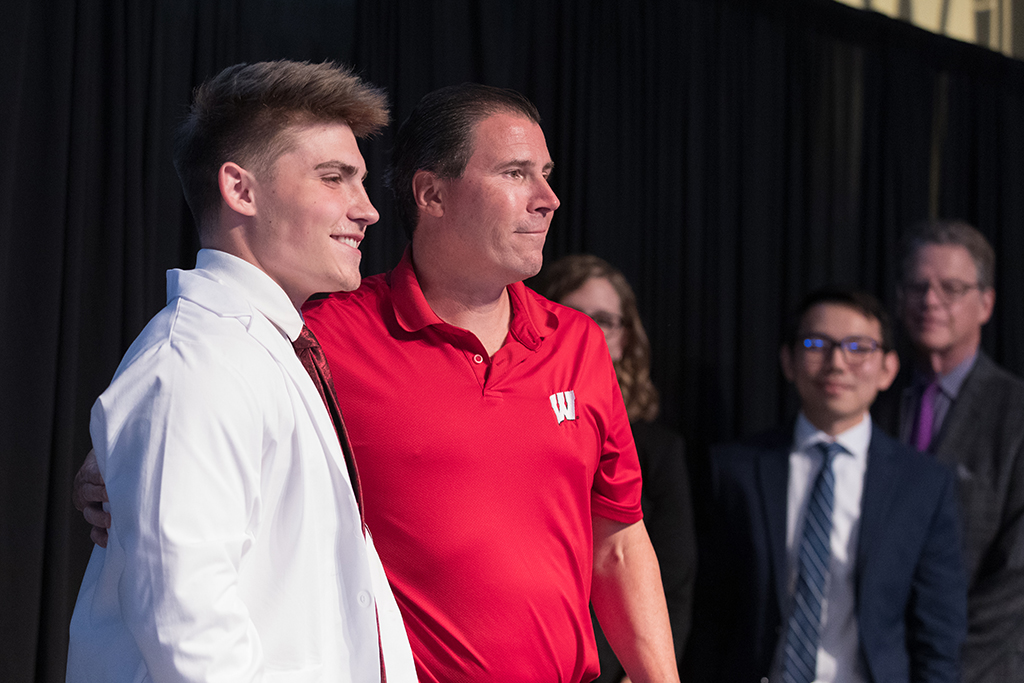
259, 289
855, 440
530, 321
950, 382
411, 308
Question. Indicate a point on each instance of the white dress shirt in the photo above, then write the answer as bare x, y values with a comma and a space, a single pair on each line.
839, 659
236, 551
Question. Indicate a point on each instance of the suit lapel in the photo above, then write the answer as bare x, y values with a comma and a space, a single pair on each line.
880, 487
773, 478
961, 426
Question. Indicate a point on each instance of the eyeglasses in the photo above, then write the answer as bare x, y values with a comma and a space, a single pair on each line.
855, 349
948, 291
608, 322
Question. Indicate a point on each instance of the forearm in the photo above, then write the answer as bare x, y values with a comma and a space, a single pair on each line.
629, 601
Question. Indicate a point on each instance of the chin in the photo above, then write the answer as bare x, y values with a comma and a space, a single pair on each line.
931, 343
533, 266
349, 286
343, 284
517, 272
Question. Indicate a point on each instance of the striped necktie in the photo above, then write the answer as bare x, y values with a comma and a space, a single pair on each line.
803, 633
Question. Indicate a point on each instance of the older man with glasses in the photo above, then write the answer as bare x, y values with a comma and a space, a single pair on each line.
957, 404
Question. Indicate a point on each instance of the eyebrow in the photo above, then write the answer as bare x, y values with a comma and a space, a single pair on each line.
341, 167
523, 163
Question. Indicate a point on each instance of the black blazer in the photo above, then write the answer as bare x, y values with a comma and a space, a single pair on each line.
910, 586
668, 516
982, 438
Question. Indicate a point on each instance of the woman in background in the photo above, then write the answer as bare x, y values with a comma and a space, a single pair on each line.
594, 287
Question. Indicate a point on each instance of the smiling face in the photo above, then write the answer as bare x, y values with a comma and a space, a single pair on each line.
945, 326
836, 392
497, 213
311, 213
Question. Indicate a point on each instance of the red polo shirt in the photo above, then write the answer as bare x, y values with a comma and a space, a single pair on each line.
480, 474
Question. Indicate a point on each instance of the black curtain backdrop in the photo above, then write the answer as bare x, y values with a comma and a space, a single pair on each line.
727, 155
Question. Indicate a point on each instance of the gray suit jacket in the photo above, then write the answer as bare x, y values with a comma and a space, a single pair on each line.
982, 438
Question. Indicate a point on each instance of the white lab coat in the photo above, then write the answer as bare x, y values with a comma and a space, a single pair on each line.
236, 551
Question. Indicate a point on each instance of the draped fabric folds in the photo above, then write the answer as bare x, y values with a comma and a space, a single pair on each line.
727, 155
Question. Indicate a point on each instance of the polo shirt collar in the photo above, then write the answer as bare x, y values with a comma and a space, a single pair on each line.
530, 322
411, 308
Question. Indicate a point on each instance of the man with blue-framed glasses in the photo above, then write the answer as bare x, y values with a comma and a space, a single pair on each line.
833, 553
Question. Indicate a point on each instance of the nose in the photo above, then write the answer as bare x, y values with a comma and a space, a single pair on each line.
830, 356
546, 201
931, 295
362, 210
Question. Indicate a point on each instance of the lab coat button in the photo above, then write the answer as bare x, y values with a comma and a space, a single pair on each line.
363, 598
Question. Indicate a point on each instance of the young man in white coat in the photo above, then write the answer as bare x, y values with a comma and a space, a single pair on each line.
237, 550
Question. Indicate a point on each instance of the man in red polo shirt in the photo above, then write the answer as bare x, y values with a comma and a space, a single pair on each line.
498, 470
498, 467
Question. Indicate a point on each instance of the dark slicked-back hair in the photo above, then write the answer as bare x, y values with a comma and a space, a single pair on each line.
438, 137
862, 302
956, 233
569, 273
244, 114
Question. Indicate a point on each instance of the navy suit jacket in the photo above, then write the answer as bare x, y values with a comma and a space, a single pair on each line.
909, 579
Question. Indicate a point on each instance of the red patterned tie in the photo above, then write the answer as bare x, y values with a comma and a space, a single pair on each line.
307, 348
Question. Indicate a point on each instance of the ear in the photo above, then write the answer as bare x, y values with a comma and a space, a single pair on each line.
237, 188
988, 301
890, 367
428, 193
786, 359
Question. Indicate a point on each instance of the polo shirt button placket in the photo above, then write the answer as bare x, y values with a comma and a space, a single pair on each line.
481, 369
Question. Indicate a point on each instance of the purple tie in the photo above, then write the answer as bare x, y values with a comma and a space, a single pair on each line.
925, 417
